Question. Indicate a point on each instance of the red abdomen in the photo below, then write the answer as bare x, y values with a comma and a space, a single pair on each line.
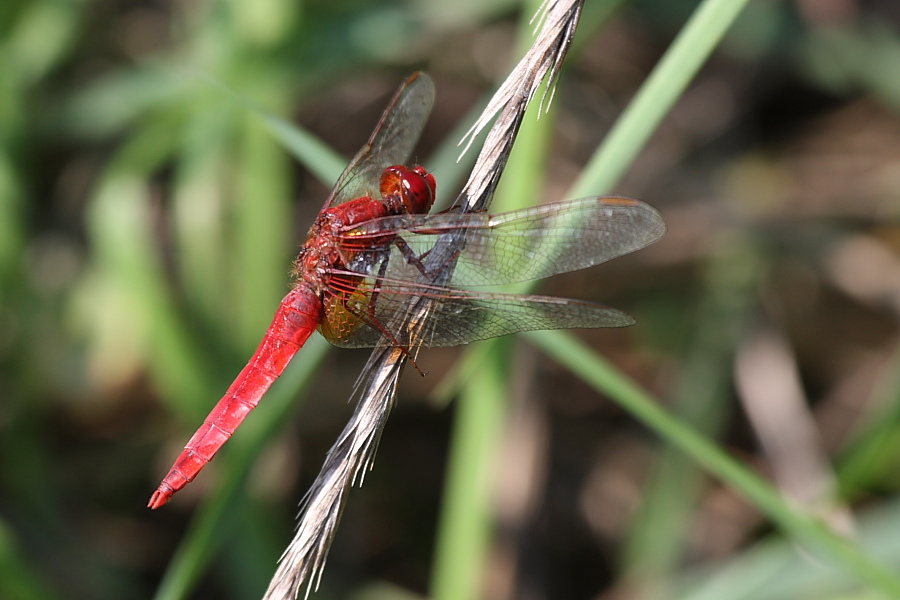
296, 318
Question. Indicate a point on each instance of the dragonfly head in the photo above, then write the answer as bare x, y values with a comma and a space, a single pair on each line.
407, 190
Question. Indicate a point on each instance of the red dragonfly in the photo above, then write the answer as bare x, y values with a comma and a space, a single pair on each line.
369, 254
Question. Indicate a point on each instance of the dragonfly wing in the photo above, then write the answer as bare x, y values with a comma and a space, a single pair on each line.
522, 245
391, 143
451, 317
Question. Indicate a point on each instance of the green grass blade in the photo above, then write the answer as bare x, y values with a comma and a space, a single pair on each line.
702, 398
465, 523
585, 363
199, 215
263, 232
520, 183
871, 455
657, 95
775, 568
310, 151
11, 228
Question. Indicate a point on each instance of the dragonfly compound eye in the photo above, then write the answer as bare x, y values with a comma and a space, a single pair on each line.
413, 188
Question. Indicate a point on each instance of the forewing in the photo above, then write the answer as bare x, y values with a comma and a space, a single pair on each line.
455, 317
517, 246
391, 143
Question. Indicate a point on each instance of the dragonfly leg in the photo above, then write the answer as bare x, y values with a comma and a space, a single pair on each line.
418, 260
373, 322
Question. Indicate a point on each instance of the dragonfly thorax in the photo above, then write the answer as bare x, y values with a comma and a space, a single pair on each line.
403, 191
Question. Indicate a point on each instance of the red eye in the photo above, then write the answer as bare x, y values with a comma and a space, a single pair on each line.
414, 188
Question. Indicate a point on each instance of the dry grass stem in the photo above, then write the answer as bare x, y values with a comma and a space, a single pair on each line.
303, 561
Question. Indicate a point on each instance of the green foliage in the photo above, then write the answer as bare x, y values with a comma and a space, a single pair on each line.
148, 174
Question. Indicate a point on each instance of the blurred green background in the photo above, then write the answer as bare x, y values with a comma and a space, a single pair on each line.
148, 217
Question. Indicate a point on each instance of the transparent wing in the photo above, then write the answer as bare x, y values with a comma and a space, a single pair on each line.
455, 317
522, 245
391, 143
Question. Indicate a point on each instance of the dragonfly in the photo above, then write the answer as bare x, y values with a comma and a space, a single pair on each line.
373, 252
